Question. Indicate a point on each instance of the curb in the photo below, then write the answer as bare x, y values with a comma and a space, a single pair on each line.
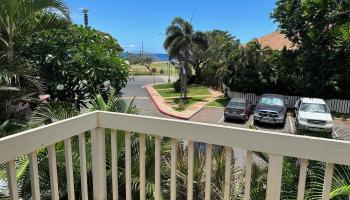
159, 107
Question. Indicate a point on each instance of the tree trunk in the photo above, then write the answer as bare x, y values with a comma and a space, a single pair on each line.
198, 71
185, 75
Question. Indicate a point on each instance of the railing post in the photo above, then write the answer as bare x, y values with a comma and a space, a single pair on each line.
327, 182
83, 171
208, 159
114, 161
173, 169
157, 168
274, 177
128, 166
11, 178
302, 179
248, 175
98, 164
142, 161
227, 182
34, 175
69, 168
53, 172
190, 170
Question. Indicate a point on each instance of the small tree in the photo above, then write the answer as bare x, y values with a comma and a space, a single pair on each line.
142, 59
77, 63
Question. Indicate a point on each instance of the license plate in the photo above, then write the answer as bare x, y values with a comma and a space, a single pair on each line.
315, 129
267, 119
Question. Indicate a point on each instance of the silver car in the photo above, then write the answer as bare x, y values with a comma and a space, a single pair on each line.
313, 114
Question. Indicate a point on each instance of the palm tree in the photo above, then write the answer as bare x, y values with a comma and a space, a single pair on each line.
19, 79
180, 39
15, 13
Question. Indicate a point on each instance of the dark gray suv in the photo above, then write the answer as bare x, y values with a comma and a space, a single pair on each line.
238, 108
271, 109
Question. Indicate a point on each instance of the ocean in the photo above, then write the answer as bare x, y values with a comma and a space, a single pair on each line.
159, 56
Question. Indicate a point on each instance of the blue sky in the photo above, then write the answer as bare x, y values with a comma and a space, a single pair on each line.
135, 21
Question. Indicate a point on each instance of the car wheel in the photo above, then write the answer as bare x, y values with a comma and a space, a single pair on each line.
283, 124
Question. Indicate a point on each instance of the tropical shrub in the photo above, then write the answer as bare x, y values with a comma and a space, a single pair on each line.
19, 80
177, 85
77, 63
320, 32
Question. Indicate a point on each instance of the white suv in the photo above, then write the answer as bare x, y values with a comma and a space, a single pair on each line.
313, 114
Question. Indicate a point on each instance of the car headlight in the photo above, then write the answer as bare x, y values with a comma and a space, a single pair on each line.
303, 119
280, 115
256, 112
330, 123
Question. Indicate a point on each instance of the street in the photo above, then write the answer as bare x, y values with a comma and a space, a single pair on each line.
134, 88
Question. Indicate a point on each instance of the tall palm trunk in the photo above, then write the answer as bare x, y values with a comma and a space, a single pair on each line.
183, 78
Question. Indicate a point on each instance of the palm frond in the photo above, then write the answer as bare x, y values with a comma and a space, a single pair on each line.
52, 112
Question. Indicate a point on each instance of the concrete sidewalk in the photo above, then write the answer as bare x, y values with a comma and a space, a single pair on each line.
167, 109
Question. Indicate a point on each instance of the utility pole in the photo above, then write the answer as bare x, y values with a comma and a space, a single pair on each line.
142, 48
86, 16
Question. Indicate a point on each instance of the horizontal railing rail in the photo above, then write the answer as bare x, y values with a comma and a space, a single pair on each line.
319, 149
33, 139
276, 145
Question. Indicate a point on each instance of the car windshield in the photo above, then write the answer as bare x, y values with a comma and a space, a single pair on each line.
313, 107
236, 104
272, 101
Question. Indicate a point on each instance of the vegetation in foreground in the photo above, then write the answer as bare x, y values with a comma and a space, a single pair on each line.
31, 50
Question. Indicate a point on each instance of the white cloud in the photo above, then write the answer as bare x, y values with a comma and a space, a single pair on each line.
76, 16
131, 45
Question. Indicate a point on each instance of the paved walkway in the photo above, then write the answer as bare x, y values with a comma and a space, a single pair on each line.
167, 109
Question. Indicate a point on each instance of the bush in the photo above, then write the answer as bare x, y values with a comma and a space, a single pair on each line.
177, 85
161, 71
77, 62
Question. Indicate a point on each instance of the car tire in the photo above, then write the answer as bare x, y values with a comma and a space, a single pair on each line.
283, 124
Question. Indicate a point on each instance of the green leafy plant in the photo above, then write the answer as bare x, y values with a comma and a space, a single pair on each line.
77, 63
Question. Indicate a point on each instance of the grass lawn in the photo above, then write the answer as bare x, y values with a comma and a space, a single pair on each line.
341, 115
222, 102
164, 86
142, 70
193, 90
187, 102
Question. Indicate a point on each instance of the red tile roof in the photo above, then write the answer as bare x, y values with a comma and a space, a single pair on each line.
275, 41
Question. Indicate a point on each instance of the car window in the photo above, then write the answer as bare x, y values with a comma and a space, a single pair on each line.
272, 101
314, 107
236, 104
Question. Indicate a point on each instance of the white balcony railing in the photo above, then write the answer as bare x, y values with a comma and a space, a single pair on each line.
274, 144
